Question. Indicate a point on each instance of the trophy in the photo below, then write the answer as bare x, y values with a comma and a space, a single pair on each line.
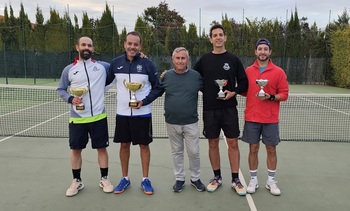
133, 87
221, 83
261, 83
79, 92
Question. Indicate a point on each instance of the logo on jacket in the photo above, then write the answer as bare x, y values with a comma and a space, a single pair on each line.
95, 69
139, 68
118, 68
76, 72
226, 66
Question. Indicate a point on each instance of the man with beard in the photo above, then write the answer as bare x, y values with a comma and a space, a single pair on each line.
261, 113
87, 112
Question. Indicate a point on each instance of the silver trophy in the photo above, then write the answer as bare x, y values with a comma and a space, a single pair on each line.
221, 83
262, 83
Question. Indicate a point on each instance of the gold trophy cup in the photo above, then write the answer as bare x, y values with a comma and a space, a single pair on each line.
133, 87
79, 92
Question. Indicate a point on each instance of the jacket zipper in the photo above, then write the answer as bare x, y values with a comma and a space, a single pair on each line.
88, 79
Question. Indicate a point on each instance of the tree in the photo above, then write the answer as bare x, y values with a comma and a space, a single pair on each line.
172, 40
106, 33
229, 33
340, 64
24, 38
192, 40
87, 26
146, 34
343, 20
160, 18
39, 31
56, 37
10, 30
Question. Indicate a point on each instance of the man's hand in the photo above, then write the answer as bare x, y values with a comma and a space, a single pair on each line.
162, 74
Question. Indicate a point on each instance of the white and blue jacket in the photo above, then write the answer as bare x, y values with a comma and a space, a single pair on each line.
85, 74
141, 70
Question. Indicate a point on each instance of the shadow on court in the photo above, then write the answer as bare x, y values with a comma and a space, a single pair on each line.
35, 173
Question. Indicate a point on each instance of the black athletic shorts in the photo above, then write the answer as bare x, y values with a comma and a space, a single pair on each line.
217, 119
137, 130
79, 134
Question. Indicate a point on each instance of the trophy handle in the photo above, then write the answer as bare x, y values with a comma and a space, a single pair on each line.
143, 84
124, 82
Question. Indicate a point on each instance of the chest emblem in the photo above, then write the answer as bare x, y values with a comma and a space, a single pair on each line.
139, 68
226, 66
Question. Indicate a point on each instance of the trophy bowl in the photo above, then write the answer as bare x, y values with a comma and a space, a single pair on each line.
79, 92
262, 83
133, 87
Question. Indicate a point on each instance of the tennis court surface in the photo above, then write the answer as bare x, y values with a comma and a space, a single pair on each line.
313, 159
35, 173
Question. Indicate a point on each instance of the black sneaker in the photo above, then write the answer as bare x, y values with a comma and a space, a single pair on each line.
198, 185
178, 186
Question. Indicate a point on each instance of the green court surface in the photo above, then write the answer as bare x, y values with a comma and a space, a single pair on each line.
35, 173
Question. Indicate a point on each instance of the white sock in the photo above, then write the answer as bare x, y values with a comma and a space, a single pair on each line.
271, 175
254, 175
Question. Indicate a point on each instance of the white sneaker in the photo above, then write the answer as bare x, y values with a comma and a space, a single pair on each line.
75, 187
272, 186
253, 185
106, 185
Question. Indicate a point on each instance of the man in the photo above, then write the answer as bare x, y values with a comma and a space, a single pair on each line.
261, 113
181, 86
87, 113
134, 121
221, 113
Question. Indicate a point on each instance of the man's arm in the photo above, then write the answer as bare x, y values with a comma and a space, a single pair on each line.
156, 87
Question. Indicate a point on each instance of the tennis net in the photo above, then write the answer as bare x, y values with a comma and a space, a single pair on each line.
37, 111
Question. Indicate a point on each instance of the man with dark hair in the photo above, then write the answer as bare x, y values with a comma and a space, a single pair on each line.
134, 119
87, 113
261, 113
220, 112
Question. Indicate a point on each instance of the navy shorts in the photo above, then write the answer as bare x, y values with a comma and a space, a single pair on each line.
79, 134
137, 130
217, 119
269, 133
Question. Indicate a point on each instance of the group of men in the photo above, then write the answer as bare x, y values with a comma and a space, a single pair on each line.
181, 86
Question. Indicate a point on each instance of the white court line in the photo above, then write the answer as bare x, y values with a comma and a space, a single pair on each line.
336, 110
23, 131
24, 109
247, 196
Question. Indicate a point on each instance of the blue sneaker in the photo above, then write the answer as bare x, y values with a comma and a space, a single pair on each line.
123, 184
147, 187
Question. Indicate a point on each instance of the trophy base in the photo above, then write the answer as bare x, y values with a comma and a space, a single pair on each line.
261, 94
133, 104
221, 96
80, 107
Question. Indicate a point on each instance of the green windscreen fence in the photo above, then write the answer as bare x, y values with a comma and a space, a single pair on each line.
38, 111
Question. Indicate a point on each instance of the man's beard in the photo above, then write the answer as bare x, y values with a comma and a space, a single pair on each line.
263, 60
84, 55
